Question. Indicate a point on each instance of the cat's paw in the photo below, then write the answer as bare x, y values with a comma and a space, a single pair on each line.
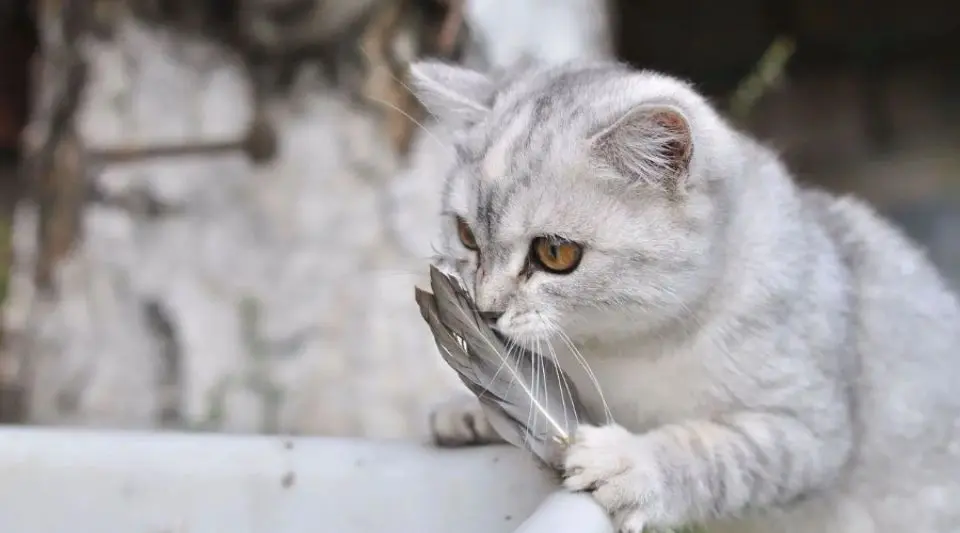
611, 464
461, 421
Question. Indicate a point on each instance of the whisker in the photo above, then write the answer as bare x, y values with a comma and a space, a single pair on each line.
366, 53
409, 117
537, 383
545, 378
537, 404
406, 115
582, 361
564, 386
564, 383
689, 313
542, 372
511, 348
516, 379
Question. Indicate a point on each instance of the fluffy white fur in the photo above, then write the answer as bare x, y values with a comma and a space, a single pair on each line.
774, 359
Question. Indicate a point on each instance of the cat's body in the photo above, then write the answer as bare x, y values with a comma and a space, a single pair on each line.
776, 359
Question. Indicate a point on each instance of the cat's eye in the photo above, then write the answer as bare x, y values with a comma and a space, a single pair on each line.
466, 235
556, 255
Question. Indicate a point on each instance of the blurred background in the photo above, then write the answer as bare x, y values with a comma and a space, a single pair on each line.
214, 211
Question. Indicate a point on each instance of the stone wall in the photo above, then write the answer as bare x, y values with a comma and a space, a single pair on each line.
276, 298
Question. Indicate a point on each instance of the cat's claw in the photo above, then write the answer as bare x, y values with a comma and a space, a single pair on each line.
461, 421
607, 462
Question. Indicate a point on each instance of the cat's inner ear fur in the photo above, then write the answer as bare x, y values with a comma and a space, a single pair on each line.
649, 144
455, 95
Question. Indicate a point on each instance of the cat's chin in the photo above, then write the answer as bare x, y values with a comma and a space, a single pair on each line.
528, 340
530, 334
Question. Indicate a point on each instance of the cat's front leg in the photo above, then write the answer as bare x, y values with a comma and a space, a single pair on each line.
460, 421
687, 473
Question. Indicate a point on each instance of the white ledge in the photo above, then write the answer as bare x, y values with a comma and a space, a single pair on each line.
67, 481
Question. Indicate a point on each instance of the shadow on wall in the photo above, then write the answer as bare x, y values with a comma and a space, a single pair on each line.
869, 104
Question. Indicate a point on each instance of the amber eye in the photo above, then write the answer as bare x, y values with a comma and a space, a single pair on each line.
466, 235
556, 255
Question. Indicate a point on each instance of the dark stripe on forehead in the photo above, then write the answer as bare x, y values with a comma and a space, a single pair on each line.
539, 113
523, 159
486, 216
504, 195
560, 104
495, 201
464, 154
548, 105
502, 124
522, 152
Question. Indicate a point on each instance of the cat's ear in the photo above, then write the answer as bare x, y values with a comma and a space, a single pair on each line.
454, 95
651, 143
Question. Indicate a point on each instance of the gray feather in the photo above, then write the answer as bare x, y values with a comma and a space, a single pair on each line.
528, 399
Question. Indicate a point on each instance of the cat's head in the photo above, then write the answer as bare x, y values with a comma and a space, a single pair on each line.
583, 199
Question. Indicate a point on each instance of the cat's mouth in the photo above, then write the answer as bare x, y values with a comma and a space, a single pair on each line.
527, 330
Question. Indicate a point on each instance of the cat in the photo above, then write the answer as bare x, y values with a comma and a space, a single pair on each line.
774, 358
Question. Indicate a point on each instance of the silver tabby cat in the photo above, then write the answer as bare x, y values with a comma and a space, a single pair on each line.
775, 359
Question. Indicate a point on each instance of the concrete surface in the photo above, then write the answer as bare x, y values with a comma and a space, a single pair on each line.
56, 481
272, 299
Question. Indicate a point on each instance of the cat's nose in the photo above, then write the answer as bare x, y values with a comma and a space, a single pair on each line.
491, 316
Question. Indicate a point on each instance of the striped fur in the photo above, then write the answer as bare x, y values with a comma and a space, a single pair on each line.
774, 359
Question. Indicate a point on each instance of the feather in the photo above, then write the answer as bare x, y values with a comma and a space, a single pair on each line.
528, 399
